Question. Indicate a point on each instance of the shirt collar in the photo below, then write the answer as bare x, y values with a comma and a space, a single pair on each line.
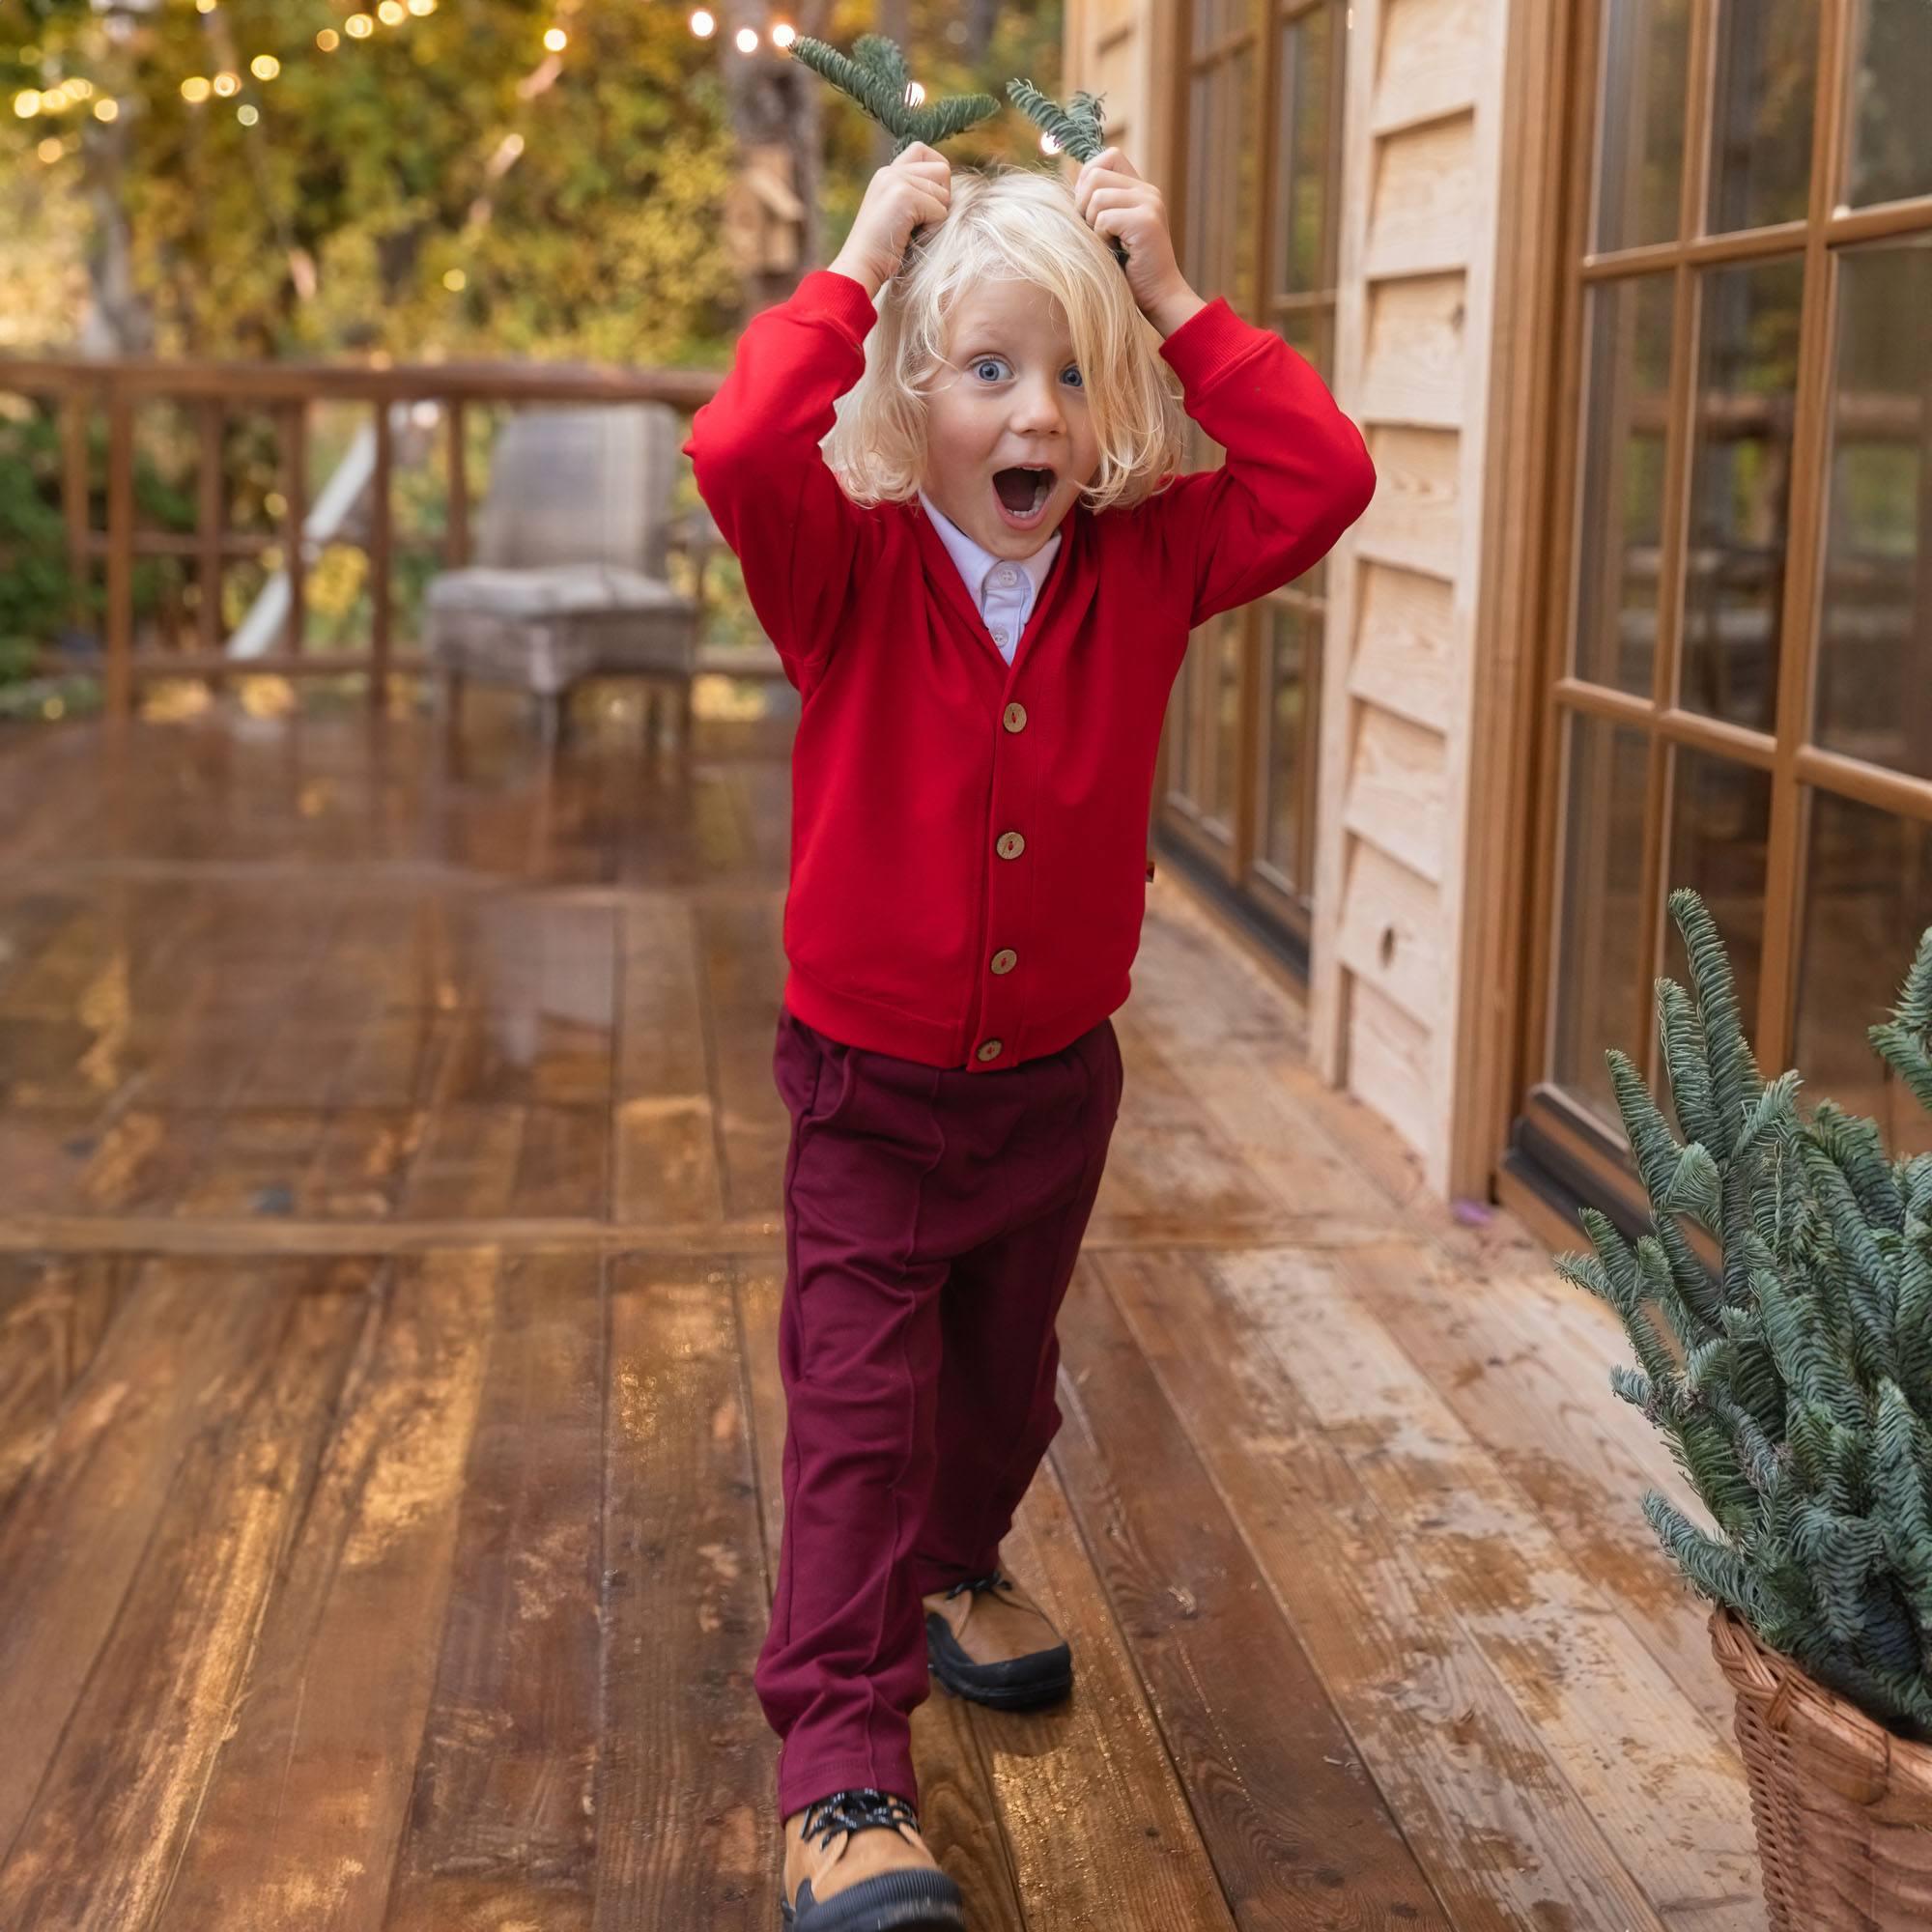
975, 560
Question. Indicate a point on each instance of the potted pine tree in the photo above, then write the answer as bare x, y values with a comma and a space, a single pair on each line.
1794, 1384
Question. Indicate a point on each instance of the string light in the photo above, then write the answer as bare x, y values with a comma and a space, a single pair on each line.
557, 39
28, 104
51, 149
359, 26
248, 114
195, 89
1048, 144
747, 39
422, 8
391, 12
915, 94
265, 67
455, 280
107, 109
227, 85
702, 24
328, 39
783, 34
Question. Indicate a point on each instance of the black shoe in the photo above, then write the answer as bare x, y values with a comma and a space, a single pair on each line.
987, 1640
903, 1890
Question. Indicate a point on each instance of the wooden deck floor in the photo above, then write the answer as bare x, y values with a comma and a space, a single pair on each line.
388, 1415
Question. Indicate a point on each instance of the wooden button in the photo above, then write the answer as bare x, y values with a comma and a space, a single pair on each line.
1010, 845
992, 1049
1015, 718
1005, 959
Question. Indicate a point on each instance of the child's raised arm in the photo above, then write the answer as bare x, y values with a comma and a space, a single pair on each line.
754, 447
1297, 472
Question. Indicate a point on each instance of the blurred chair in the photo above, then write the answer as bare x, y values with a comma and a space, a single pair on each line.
568, 581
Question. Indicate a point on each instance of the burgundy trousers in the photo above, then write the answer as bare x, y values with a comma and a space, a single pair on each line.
932, 1220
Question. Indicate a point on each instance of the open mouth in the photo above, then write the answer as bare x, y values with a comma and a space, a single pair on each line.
1022, 492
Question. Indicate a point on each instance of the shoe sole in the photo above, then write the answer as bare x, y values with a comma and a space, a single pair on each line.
913, 1901
986, 1684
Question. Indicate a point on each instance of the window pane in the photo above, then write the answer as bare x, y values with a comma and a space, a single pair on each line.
1301, 248
1640, 118
1227, 715
1868, 897
1626, 435
1720, 831
1293, 635
1875, 633
1766, 76
1891, 82
1596, 983
1741, 491
1242, 286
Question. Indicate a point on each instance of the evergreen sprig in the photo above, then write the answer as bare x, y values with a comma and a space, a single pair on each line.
875, 76
1079, 128
1795, 1386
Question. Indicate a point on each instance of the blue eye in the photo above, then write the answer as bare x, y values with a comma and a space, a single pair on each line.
1080, 380
988, 362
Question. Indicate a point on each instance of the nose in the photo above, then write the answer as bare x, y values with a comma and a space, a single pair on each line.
1037, 405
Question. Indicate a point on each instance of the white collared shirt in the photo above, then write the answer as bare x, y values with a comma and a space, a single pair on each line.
1003, 591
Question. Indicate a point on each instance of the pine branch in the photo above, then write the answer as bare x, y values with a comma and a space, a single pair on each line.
1078, 128
875, 76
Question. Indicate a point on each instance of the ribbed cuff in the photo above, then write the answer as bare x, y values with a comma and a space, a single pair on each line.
1209, 343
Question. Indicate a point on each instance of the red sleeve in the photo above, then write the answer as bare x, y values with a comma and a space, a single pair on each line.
1297, 472
755, 450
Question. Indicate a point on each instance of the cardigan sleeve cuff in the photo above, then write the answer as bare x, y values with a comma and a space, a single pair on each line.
1210, 342
838, 298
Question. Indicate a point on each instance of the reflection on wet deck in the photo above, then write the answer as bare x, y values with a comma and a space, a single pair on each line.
389, 1420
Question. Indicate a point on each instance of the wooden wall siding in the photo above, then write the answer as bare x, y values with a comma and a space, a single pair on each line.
1123, 49
1423, 146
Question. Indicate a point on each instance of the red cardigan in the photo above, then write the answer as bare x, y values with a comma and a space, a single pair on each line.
969, 839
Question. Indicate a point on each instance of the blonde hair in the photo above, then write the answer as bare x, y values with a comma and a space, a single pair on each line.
1008, 223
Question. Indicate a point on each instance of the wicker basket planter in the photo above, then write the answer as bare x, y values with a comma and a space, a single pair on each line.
1843, 1807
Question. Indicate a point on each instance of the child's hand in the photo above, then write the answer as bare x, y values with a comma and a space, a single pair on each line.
914, 187
1116, 202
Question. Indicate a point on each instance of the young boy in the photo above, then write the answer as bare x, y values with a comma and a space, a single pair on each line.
949, 473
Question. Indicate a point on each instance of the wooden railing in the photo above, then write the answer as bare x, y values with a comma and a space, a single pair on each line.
286, 391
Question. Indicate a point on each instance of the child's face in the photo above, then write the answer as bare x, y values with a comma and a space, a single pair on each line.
1010, 398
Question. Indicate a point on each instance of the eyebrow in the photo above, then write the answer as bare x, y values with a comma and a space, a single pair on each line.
987, 348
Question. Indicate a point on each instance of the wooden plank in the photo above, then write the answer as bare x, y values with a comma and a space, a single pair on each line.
1406, 645
742, 983
501, 1822
468, 1155
664, 1154
1390, 932
958, 1810
1413, 357
309, 1797
1431, 62
1423, 203
1100, 1830
684, 1791
54, 1312
1170, 1166
1298, 1833
1499, 1833
1396, 793
1669, 1797
110, 1464
115, 1803
1525, 1367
